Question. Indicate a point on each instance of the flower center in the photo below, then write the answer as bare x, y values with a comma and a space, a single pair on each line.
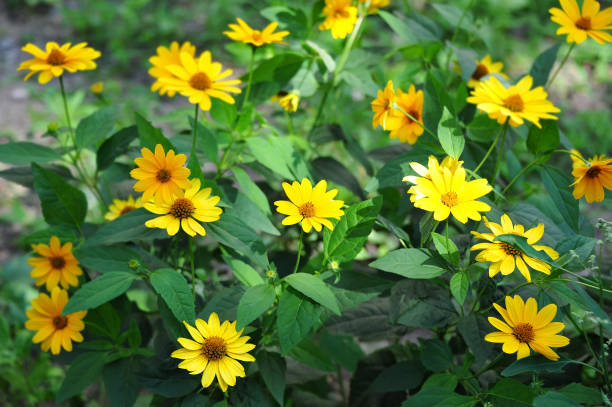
257, 36
584, 23
524, 332
514, 103
57, 262
450, 199
214, 348
56, 57
307, 210
163, 176
510, 250
182, 208
341, 13
593, 172
481, 70
414, 114
126, 210
200, 81
60, 322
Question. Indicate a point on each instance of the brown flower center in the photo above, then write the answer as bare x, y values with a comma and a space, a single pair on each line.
126, 210
414, 114
56, 57
514, 103
200, 81
524, 332
510, 250
214, 348
257, 37
584, 23
57, 262
307, 210
450, 199
60, 322
182, 208
163, 176
341, 13
593, 172
481, 70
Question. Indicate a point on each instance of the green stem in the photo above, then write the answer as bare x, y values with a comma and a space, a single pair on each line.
195, 129
520, 174
500, 153
489, 151
250, 79
554, 75
299, 251
414, 119
489, 365
447, 244
67, 113
192, 265
571, 153
289, 122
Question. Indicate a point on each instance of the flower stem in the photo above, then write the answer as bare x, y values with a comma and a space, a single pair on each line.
554, 75
414, 119
571, 153
67, 113
489, 151
289, 122
250, 80
192, 265
520, 174
299, 251
195, 129
489, 365
500, 153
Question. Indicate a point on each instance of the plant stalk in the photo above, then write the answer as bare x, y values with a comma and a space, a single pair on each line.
299, 250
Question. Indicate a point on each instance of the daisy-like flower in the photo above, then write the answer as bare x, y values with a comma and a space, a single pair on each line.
374, 5
504, 257
185, 210
288, 100
591, 22
591, 176
120, 207
485, 67
214, 351
448, 162
402, 126
160, 173
382, 106
311, 206
243, 33
516, 103
57, 265
54, 331
201, 78
164, 58
340, 17
525, 328
55, 59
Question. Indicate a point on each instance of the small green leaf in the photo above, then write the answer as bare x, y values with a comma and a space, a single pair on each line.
296, 316
459, 284
83, 371
543, 65
273, 368
540, 140
96, 127
255, 301
246, 274
447, 248
410, 263
24, 152
314, 288
115, 146
450, 135
149, 135
99, 291
175, 291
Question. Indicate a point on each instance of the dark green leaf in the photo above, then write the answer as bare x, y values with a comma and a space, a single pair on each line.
121, 382
296, 316
232, 232
436, 355
450, 135
104, 259
401, 376
255, 301
342, 349
558, 184
273, 367
473, 330
83, 371
99, 291
520, 243
151, 136
543, 65
459, 284
96, 127
410, 263
511, 393
126, 228
24, 152
420, 303
534, 364
391, 174
311, 355
582, 394
64, 234
115, 146
331, 169
175, 290
206, 141
314, 288
553, 398
543, 139
22, 175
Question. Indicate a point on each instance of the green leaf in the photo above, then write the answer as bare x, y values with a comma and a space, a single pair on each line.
459, 285
482, 129
279, 69
22, 175
398, 26
512, 393
64, 234
329, 168
126, 228
241, 204
520, 243
24, 152
273, 368
251, 190
121, 382
534, 364
62, 204
314, 288
420, 303
83, 371
391, 174
206, 141
467, 60
115, 146
99, 291
410, 263
255, 301
104, 259
450, 253
582, 394
344, 350
473, 330
327, 59
246, 274
450, 135
175, 290
402, 376
277, 154
224, 113
543, 139
150, 136
311, 355
96, 127
558, 184
436, 355
553, 398
296, 316
447, 381
543, 65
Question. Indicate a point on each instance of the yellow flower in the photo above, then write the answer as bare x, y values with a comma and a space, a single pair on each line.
591, 176
288, 100
382, 106
214, 351
199, 79
504, 257
402, 126
120, 207
525, 328
160, 174
517, 103
97, 87
340, 17
591, 22
448, 162
243, 33
55, 58
485, 67
56, 266
54, 330
311, 206
184, 210
164, 58
374, 5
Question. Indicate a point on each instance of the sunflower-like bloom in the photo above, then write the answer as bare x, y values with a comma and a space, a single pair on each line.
243, 33
340, 17
214, 351
160, 173
164, 58
504, 257
402, 126
591, 176
525, 328
288, 100
591, 22
97, 88
57, 265
485, 67
448, 162
120, 207
55, 59
382, 106
311, 206
201, 78
184, 210
374, 5
516, 103
54, 331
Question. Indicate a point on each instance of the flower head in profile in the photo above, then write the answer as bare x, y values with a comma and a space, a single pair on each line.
97, 88
164, 58
524, 327
505, 258
243, 33
311, 206
56, 58
485, 67
56, 265
400, 124
340, 17
185, 210
374, 5
382, 106
214, 351
591, 176
54, 331
120, 207
449, 162
516, 103
160, 173
288, 100
579, 25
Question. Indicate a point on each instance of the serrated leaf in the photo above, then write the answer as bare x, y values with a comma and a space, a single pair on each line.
96, 127
296, 316
115, 146
314, 288
410, 263
255, 301
446, 248
175, 291
99, 291
459, 284
24, 152
450, 135
535, 364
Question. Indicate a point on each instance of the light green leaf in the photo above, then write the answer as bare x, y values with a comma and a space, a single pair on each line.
96, 127
99, 291
149, 135
24, 152
450, 253
450, 135
255, 301
246, 274
251, 190
314, 288
175, 291
459, 284
296, 316
410, 263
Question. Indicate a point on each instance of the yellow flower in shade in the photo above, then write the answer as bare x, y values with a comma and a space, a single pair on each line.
504, 257
120, 207
160, 173
201, 78
382, 106
288, 100
485, 67
55, 59
54, 331
214, 351
516, 103
57, 265
448, 162
525, 328
97, 88
402, 126
374, 5
164, 58
185, 210
311, 206
591, 22
340, 17
243, 33
591, 176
